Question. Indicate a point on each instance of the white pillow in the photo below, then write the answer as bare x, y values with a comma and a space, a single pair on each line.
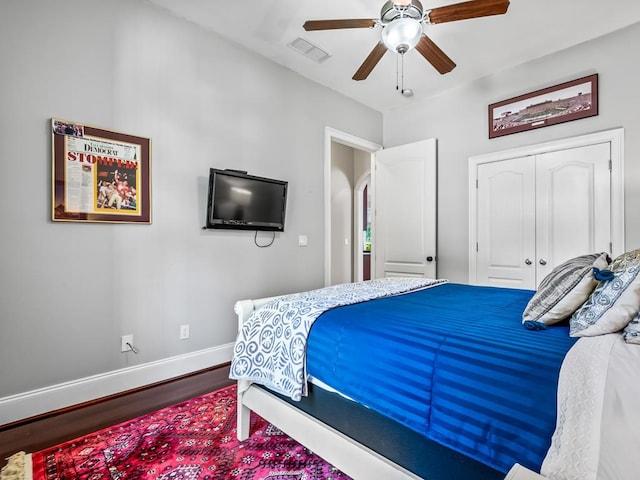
613, 303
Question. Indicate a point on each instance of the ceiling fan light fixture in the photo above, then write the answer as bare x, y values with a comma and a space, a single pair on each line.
402, 35
402, 23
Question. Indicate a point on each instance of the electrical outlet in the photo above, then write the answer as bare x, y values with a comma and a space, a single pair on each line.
125, 343
184, 332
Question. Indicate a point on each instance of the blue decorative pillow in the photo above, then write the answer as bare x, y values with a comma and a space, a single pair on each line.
564, 289
613, 303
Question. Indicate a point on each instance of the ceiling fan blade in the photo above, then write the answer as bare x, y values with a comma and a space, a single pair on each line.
465, 10
436, 57
370, 62
337, 24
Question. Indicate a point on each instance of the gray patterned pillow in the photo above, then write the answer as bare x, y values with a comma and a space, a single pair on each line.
632, 330
613, 303
562, 291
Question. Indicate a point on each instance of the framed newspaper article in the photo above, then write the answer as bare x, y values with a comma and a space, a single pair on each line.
99, 175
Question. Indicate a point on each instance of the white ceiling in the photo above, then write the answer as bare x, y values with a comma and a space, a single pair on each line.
530, 29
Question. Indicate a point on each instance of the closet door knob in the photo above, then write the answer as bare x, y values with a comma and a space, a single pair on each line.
528, 261
543, 261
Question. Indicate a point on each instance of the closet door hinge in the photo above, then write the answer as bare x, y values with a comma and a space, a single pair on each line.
610, 164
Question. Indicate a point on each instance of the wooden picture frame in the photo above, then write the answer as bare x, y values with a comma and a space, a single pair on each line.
549, 106
99, 175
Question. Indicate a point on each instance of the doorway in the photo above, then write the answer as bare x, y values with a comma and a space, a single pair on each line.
348, 161
403, 205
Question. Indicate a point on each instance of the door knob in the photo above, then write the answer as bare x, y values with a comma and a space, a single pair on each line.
429, 258
543, 261
528, 261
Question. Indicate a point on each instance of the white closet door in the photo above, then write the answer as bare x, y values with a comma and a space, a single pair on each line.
536, 212
579, 206
506, 223
573, 197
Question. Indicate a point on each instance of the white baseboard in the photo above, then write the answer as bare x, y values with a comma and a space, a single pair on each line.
43, 400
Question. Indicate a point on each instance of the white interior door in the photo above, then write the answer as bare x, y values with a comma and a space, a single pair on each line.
404, 202
506, 223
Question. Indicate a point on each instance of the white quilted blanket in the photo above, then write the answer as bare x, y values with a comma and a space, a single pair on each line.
271, 345
597, 435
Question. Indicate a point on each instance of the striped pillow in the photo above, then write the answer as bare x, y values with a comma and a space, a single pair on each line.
563, 291
613, 303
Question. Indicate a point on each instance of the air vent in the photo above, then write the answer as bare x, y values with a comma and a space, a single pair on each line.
309, 50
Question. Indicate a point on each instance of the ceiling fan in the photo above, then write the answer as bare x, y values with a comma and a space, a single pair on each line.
402, 29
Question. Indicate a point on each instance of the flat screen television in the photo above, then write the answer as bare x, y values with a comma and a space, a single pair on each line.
240, 201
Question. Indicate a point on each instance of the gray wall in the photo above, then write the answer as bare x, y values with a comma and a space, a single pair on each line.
69, 290
458, 119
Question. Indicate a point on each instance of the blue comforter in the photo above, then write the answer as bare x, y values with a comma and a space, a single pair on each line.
453, 363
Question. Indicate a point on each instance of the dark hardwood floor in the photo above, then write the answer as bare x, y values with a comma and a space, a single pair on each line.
44, 431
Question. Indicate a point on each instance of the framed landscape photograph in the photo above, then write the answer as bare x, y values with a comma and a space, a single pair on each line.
561, 103
99, 175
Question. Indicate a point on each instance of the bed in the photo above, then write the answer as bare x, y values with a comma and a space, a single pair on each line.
467, 394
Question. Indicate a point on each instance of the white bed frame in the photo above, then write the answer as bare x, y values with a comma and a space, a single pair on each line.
344, 453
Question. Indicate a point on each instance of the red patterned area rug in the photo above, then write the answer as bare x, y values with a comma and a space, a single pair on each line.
195, 439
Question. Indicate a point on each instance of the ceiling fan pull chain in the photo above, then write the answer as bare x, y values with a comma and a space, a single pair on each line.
408, 92
402, 73
397, 74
